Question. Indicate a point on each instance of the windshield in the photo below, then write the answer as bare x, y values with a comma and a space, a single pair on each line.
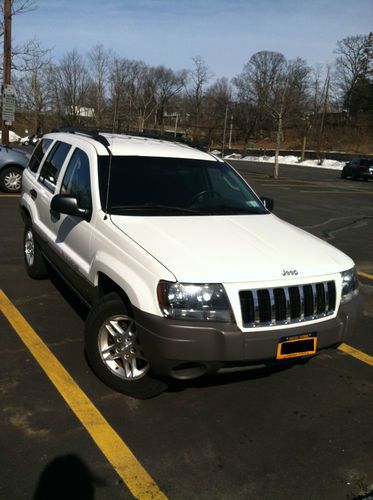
172, 186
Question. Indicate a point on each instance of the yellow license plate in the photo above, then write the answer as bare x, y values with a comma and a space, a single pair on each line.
295, 346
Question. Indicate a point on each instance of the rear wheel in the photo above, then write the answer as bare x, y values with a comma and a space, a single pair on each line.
114, 352
34, 261
11, 179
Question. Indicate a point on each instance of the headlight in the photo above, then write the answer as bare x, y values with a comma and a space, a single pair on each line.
350, 285
194, 302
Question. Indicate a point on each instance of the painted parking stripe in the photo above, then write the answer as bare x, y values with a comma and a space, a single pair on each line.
365, 275
109, 442
361, 356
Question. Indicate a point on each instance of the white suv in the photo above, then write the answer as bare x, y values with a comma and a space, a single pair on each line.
185, 269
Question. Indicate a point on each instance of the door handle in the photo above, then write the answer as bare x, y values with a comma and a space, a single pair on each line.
33, 193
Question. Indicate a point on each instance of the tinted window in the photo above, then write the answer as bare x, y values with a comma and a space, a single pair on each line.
174, 186
52, 165
77, 180
38, 154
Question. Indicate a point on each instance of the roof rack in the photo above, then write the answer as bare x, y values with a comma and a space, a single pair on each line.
166, 137
95, 134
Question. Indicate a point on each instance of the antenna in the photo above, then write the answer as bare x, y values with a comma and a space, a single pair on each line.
108, 176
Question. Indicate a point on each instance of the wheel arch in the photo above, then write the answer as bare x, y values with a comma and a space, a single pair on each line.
10, 165
106, 285
25, 214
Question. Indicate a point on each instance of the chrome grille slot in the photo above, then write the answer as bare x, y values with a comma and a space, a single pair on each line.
284, 305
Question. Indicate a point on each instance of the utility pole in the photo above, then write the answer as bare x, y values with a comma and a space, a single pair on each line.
225, 130
6, 64
230, 134
324, 111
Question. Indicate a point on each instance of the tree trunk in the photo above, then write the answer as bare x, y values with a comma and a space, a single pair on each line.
278, 144
303, 154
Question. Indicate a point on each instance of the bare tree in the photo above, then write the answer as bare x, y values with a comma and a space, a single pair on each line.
24, 55
219, 100
18, 7
258, 84
199, 77
354, 61
33, 89
168, 83
71, 83
98, 60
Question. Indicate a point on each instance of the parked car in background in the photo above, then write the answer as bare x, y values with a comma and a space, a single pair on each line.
358, 168
12, 163
36, 138
26, 141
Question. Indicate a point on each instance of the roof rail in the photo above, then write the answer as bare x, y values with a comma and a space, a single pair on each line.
165, 137
95, 134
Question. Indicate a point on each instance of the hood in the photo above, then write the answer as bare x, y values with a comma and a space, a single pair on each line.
232, 249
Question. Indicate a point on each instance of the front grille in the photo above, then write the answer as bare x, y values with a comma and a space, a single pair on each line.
284, 305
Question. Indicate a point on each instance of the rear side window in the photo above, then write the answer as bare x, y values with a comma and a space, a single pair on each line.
38, 154
53, 164
77, 179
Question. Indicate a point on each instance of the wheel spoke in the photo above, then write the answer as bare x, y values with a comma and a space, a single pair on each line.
110, 354
127, 368
114, 329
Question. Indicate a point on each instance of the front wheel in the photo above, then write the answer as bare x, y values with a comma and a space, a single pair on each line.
114, 352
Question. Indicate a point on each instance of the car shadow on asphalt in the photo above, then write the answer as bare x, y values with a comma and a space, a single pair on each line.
222, 379
71, 297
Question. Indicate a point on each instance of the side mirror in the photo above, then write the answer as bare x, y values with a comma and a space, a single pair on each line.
65, 204
268, 203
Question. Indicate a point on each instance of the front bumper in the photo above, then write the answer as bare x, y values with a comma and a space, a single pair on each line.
367, 175
188, 349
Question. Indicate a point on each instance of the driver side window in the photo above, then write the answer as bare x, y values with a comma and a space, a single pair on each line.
76, 181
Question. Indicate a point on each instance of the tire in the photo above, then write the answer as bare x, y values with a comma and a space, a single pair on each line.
114, 353
11, 180
343, 175
34, 261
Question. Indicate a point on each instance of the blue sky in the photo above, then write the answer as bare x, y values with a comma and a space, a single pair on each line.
171, 32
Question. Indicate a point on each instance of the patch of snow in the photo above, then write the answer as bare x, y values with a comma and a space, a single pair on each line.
13, 137
233, 156
294, 160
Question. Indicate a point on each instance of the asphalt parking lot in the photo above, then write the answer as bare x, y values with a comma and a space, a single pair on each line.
301, 432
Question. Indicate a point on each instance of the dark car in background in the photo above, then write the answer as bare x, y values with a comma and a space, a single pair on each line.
358, 168
12, 163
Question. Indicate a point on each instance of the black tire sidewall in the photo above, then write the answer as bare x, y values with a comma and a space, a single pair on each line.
37, 270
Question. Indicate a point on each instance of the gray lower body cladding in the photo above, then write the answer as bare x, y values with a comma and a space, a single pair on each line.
187, 349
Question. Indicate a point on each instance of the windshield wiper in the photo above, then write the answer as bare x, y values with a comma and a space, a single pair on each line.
155, 206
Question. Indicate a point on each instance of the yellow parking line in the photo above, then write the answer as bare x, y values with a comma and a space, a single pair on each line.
361, 356
365, 275
10, 196
115, 450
